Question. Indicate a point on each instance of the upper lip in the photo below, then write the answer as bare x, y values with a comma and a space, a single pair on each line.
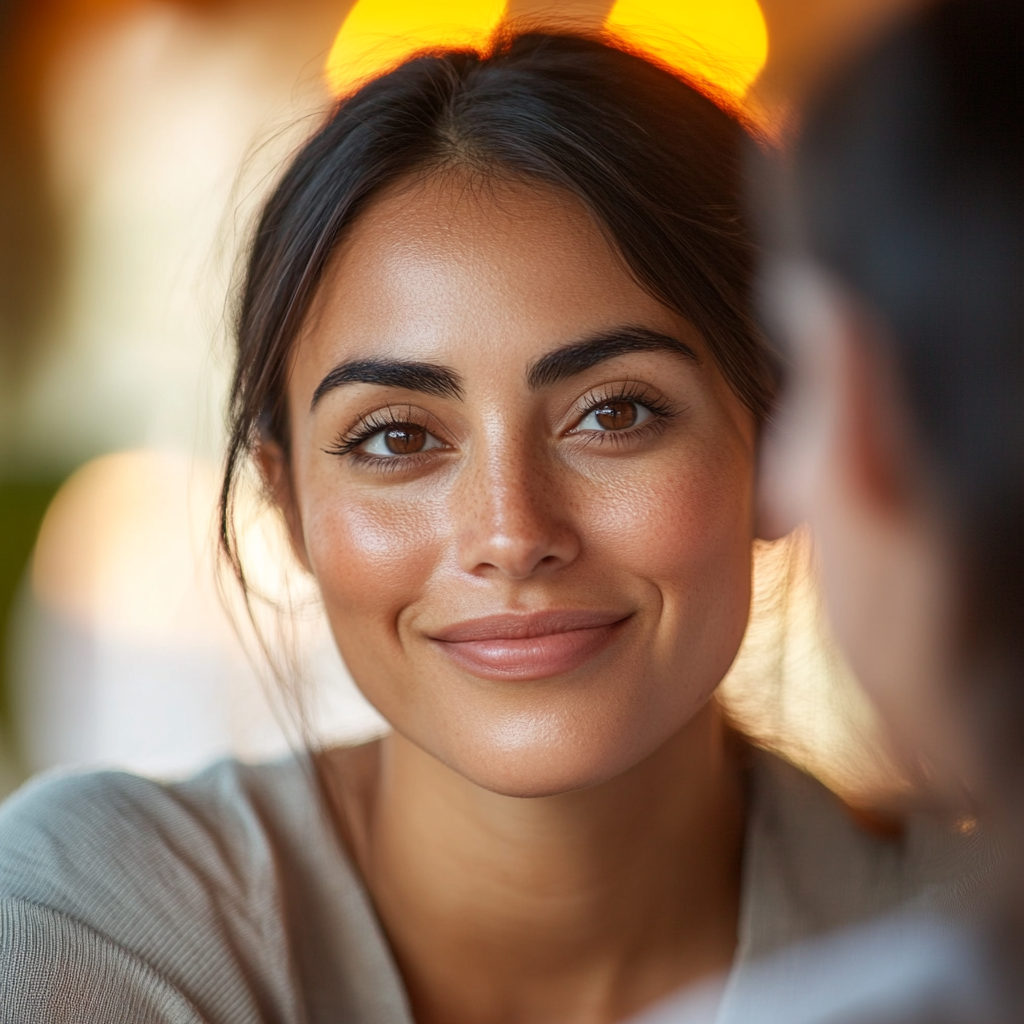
512, 626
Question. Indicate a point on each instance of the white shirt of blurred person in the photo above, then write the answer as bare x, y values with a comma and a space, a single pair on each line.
896, 287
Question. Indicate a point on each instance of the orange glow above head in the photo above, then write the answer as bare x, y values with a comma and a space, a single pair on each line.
722, 42
379, 34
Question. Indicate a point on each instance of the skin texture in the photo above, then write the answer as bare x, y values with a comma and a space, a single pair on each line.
564, 847
844, 459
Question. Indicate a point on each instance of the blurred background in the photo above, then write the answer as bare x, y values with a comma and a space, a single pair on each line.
137, 139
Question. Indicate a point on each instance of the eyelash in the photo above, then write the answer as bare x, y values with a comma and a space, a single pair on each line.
631, 391
347, 444
369, 426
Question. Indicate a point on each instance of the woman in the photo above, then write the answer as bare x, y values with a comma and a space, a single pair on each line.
899, 287
496, 366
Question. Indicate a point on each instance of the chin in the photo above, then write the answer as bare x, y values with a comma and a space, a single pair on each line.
547, 755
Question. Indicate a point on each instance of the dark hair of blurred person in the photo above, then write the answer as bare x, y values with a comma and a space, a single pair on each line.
901, 438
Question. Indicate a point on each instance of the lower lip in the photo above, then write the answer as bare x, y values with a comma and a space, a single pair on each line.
536, 657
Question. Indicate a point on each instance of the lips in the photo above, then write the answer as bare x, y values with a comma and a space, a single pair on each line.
525, 647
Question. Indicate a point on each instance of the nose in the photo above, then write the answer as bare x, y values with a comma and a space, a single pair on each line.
512, 517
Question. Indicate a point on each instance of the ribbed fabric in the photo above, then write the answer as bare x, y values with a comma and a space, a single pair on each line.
60, 970
227, 899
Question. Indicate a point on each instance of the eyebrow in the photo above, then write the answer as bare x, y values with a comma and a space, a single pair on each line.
581, 355
430, 378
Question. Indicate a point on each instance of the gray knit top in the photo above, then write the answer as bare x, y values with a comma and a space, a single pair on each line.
228, 899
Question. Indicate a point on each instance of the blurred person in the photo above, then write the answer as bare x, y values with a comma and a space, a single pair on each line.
898, 287
496, 366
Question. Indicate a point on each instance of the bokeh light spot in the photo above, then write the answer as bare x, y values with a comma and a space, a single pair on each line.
379, 34
723, 42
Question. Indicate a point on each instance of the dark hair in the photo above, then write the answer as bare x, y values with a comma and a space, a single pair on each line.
655, 162
909, 179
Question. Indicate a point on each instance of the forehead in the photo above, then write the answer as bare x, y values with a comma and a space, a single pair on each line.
454, 264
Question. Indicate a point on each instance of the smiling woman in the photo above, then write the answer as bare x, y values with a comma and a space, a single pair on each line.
496, 367
525, 474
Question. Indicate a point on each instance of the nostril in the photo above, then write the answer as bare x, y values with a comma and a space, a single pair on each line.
517, 561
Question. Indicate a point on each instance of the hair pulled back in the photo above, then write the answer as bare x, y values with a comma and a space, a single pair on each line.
654, 161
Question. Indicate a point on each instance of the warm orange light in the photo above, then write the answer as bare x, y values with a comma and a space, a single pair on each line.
722, 42
379, 34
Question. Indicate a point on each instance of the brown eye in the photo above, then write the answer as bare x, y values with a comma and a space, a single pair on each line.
405, 439
399, 439
616, 415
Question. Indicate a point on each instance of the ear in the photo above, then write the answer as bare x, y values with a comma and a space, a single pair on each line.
772, 519
873, 424
277, 475
796, 302
841, 412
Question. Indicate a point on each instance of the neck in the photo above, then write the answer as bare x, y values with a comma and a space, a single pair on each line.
584, 906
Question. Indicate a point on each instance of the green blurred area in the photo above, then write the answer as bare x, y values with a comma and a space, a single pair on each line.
22, 506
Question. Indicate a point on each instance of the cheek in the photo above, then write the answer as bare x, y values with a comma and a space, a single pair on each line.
371, 555
686, 524
686, 531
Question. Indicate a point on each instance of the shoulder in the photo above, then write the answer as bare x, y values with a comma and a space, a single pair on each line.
899, 969
63, 834
815, 864
59, 971
66, 836
182, 877
906, 968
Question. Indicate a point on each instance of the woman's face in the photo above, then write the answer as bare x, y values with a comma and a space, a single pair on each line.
522, 485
